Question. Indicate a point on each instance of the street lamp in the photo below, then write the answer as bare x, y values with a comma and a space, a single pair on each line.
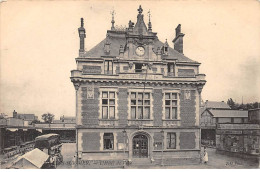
162, 133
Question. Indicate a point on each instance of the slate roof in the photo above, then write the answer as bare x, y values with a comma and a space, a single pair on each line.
98, 50
226, 113
216, 105
118, 37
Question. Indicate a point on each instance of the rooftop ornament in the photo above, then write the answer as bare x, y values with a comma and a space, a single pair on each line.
140, 10
113, 21
149, 23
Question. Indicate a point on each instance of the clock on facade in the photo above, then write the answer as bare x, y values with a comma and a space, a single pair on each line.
140, 51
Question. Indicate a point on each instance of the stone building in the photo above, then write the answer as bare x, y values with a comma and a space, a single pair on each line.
25, 117
137, 99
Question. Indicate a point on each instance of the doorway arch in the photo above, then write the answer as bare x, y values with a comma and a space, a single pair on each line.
140, 146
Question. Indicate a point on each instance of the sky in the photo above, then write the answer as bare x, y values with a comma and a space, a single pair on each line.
39, 43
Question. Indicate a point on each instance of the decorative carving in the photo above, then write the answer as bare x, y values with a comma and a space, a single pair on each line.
200, 88
141, 36
187, 94
90, 91
149, 65
131, 65
76, 85
140, 10
130, 24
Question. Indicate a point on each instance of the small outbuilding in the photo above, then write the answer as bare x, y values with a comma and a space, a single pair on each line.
31, 160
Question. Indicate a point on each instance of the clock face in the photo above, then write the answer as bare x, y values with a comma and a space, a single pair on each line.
140, 51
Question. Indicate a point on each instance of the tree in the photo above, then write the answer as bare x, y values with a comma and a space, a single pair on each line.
47, 117
3, 115
247, 106
231, 103
256, 105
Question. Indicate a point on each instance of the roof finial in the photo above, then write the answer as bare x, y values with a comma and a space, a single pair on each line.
113, 21
149, 24
166, 43
82, 22
149, 15
140, 10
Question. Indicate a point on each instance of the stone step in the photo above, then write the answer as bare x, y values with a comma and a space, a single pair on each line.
141, 161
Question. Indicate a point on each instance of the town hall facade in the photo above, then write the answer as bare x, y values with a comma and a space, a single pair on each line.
137, 99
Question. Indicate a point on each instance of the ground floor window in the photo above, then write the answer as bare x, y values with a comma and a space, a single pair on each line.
108, 141
171, 140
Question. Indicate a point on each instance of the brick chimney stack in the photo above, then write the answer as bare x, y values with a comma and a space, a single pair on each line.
178, 40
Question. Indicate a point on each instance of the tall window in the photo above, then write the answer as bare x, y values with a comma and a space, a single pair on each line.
171, 140
108, 105
108, 67
171, 106
108, 141
140, 105
170, 67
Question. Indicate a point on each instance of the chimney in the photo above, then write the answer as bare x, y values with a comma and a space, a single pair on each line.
82, 36
14, 114
178, 40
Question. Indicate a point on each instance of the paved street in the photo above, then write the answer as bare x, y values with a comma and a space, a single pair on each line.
215, 160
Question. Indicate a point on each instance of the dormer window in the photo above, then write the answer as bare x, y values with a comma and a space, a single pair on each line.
107, 48
139, 67
171, 69
165, 48
108, 67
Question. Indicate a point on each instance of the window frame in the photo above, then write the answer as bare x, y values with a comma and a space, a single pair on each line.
171, 106
112, 140
142, 105
107, 64
167, 140
170, 69
108, 105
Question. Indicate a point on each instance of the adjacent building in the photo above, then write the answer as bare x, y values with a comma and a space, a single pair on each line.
218, 113
137, 98
26, 117
240, 139
254, 116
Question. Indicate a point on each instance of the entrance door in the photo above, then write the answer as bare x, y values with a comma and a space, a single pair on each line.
140, 146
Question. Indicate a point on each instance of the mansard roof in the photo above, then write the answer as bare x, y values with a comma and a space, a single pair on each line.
115, 42
119, 37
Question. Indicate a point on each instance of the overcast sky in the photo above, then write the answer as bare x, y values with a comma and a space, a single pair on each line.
39, 44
